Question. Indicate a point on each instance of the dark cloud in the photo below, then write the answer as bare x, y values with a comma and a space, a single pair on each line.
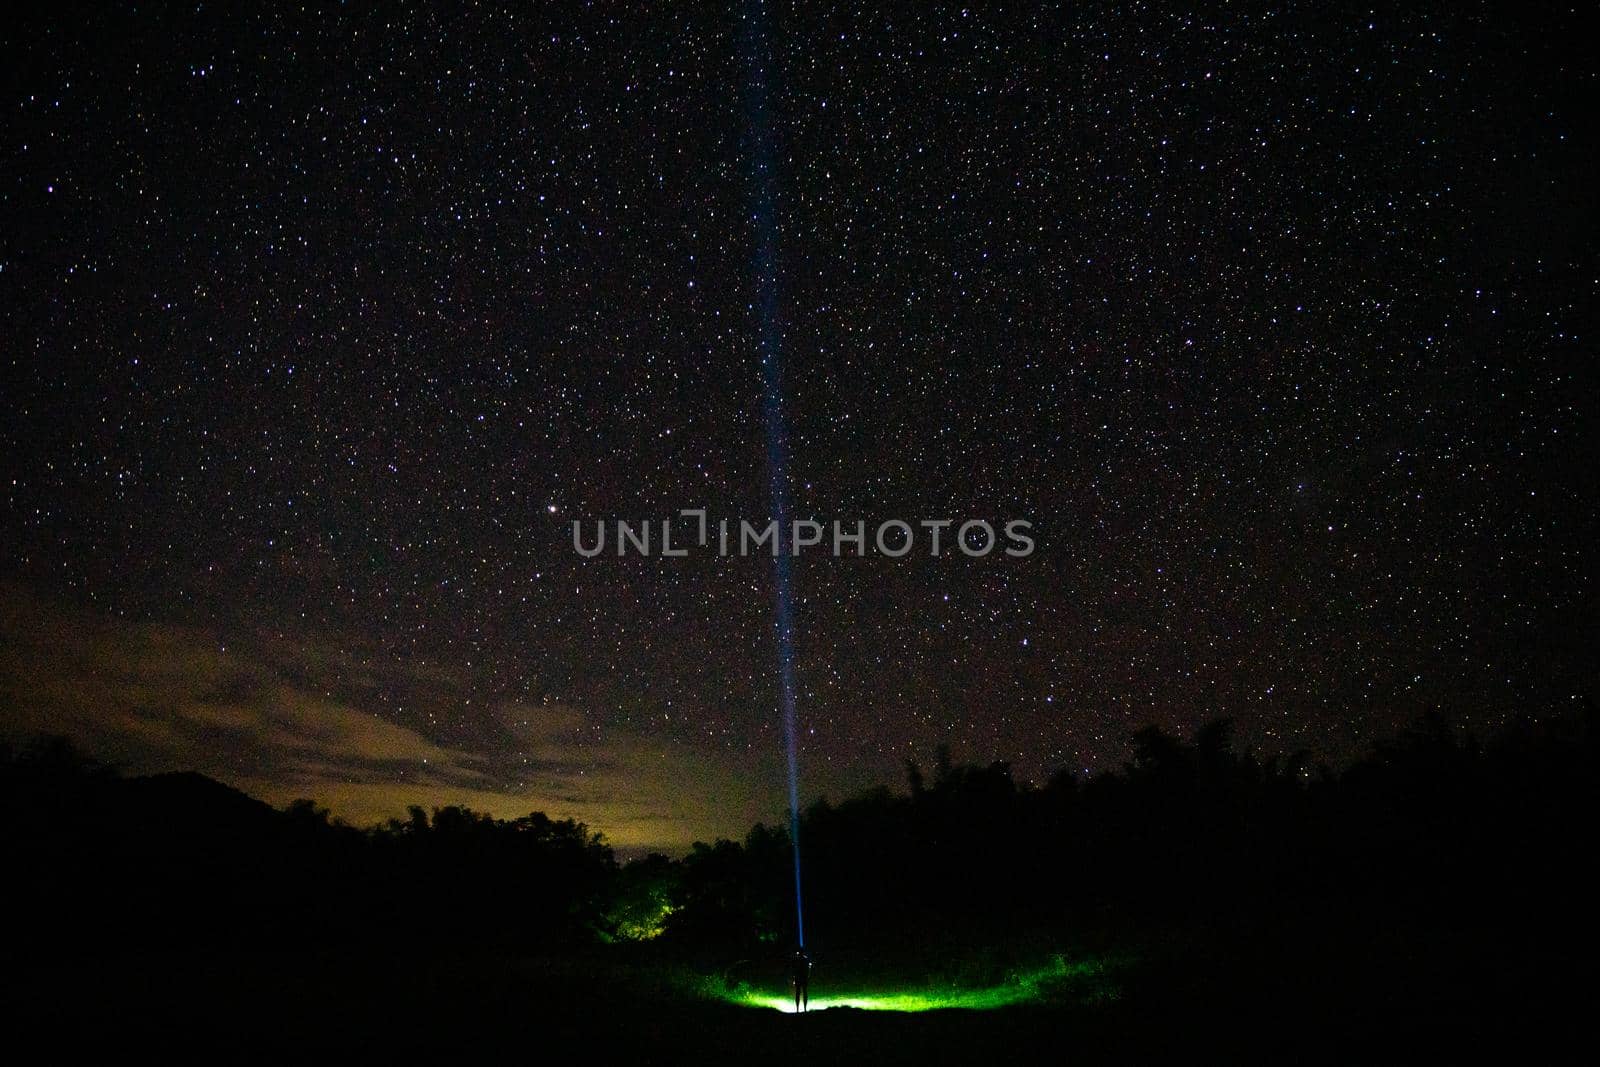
156, 697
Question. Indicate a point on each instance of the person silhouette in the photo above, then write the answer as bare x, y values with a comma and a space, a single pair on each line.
800, 966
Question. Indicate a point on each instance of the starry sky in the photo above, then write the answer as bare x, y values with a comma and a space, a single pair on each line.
318, 328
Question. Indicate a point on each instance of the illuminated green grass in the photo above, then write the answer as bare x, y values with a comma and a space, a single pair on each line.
1023, 988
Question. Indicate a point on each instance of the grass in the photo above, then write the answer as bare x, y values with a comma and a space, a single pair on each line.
1058, 980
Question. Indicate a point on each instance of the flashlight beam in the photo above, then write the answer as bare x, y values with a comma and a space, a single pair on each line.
769, 346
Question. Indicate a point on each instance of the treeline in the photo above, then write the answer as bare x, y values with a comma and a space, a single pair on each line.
99, 862
1434, 825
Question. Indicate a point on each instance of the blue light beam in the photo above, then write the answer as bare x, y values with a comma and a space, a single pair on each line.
769, 346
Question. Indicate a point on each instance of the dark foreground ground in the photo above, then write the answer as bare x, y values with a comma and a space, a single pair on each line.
1422, 1000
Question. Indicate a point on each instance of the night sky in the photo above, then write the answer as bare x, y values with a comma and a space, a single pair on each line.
320, 328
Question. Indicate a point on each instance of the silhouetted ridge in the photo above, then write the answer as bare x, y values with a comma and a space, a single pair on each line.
1445, 874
